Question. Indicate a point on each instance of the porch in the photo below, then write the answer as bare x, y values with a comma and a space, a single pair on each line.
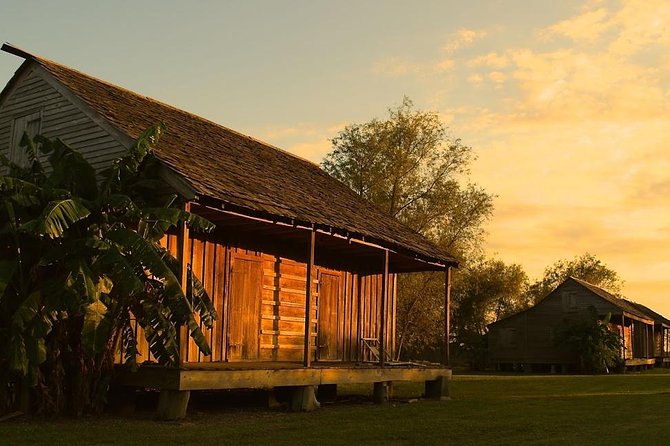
302, 383
640, 363
299, 307
269, 374
637, 346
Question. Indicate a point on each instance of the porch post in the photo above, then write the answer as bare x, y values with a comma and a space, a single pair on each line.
183, 247
632, 339
359, 318
382, 310
447, 313
646, 341
307, 355
623, 336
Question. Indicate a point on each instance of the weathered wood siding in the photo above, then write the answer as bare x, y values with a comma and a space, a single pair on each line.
271, 327
529, 336
60, 117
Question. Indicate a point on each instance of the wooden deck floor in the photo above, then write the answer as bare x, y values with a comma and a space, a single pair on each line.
640, 361
275, 365
265, 375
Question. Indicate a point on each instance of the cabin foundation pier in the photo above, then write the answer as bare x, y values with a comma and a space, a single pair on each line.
303, 399
274, 398
172, 404
381, 392
438, 389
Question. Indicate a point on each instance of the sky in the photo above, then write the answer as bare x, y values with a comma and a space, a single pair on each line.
565, 103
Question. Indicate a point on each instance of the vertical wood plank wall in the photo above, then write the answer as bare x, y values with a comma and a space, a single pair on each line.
282, 307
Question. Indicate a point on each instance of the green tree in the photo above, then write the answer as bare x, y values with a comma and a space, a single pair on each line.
410, 167
590, 339
79, 254
586, 267
485, 291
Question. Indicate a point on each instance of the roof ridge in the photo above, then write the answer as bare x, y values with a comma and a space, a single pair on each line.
594, 286
9, 48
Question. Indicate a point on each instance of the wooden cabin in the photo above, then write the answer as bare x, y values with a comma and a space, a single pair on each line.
302, 271
526, 340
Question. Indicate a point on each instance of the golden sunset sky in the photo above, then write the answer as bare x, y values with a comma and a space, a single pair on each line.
571, 124
565, 103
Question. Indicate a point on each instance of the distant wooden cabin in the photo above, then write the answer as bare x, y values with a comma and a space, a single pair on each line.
290, 242
526, 340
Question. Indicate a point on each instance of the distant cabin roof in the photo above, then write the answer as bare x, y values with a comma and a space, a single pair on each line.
254, 177
622, 304
651, 314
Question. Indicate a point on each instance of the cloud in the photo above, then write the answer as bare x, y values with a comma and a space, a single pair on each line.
308, 140
653, 190
636, 25
641, 24
476, 79
444, 64
462, 38
570, 84
497, 77
490, 60
314, 150
396, 66
539, 235
588, 26
571, 132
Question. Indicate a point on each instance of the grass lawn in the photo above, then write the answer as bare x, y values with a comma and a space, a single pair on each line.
484, 410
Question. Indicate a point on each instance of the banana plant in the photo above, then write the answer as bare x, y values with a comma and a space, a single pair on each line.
80, 252
591, 340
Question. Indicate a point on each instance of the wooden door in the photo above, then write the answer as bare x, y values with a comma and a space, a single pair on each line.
329, 317
244, 309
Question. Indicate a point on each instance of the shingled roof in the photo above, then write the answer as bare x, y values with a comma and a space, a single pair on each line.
224, 165
657, 317
623, 304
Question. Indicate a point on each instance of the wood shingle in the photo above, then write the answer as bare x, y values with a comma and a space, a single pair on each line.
239, 171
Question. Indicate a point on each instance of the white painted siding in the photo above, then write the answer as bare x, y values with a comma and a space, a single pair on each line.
60, 118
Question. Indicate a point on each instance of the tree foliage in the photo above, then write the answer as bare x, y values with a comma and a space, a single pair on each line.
485, 291
586, 267
410, 167
420, 316
80, 253
590, 339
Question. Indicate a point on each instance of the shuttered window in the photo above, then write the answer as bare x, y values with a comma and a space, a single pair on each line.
569, 300
30, 124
